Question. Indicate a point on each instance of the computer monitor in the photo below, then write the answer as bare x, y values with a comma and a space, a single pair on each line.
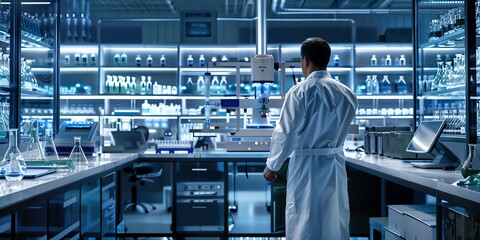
425, 140
131, 141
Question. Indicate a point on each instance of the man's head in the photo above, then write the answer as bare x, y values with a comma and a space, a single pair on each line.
315, 53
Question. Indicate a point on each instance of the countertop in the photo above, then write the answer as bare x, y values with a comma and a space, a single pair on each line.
435, 182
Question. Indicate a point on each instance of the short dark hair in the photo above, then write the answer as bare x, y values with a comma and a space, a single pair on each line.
317, 51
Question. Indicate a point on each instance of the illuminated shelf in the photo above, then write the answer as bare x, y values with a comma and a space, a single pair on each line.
383, 70
438, 42
383, 117
452, 92
389, 97
139, 69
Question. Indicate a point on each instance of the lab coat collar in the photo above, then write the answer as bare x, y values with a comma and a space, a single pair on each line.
318, 74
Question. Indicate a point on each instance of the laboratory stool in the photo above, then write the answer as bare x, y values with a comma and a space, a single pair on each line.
378, 224
141, 172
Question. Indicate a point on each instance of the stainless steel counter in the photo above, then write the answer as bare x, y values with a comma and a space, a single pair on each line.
436, 182
12, 193
432, 181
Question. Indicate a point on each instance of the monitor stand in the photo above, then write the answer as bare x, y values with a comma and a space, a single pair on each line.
444, 159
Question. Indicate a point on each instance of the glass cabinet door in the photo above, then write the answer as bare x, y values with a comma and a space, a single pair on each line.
37, 66
441, 65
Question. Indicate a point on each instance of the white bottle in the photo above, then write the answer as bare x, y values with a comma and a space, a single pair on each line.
403, 61
116, 59
200, 85
155, 88
133, 86
149, 60
143, 86
93, 58
84, 59
190, 61
336, 60
368, 85
145, 108
123, 59
174, 90
108, 84
76, 58
67, 59
215, 85
373, 60
149, 85
223, 84
128, 85
201, 60
138, 61
388, 60
224, 58
163, 61
375, 86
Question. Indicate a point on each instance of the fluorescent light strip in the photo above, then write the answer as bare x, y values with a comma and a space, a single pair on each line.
383, 69
380, 48
78, 49
139, 69
391, 97
28, 3
137, 49
79, 69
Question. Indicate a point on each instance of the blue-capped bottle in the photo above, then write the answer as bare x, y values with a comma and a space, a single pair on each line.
385, 86
401, 86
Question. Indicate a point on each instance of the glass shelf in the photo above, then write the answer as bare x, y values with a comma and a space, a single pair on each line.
27, 40
450, 92
438, 42
381, 70
140, 69
390, 97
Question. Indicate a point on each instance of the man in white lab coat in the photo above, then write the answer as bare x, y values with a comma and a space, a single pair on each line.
313, 125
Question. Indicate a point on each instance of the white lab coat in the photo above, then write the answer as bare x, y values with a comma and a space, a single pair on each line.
313, 125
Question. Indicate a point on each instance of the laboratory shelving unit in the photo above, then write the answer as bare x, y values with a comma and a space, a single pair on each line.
84, 95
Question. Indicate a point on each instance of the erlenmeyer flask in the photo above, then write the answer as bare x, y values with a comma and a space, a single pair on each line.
12, 149
50, 146
14, 170
77, 155
35, 149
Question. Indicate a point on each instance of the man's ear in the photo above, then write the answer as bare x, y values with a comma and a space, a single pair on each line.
307, 62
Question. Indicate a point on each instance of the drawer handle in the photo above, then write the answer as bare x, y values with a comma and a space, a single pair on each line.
199, 169
199, 207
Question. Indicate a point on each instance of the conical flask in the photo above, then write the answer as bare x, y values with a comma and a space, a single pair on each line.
77, 155
12, 149
35, 148
50, 146
14, 170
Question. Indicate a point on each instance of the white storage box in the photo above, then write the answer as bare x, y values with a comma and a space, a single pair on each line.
420, 225
397, 218
391, 234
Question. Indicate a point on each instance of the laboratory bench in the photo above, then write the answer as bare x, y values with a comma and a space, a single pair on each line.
89, 197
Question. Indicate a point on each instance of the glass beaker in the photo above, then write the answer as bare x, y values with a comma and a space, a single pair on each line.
12, 149
77, 155
35, 149
14, 170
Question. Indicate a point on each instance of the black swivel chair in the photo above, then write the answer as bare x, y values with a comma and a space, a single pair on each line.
141, 172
